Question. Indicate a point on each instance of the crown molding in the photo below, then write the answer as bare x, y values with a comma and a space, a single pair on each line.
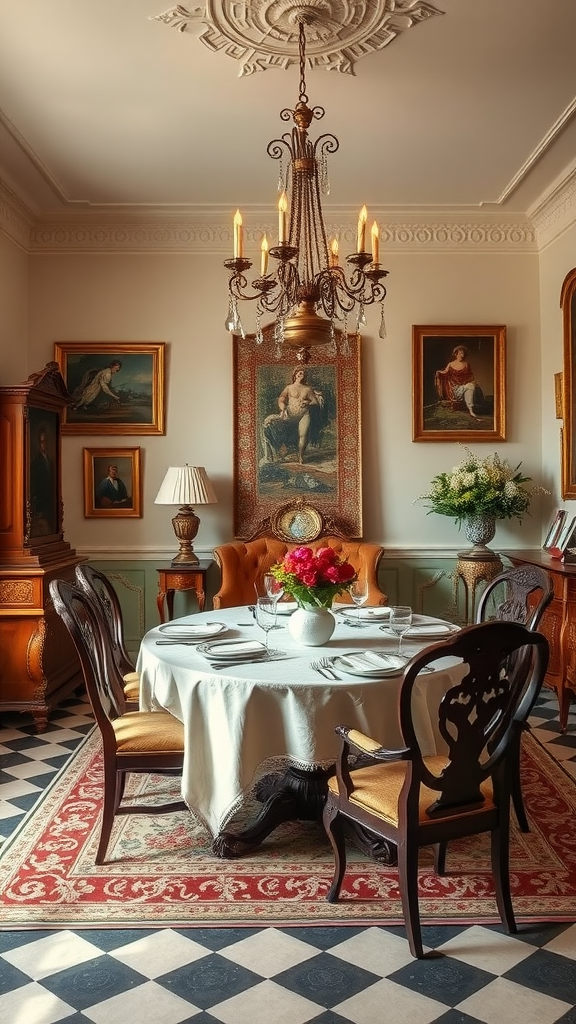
210, 231
556, 212
15, 219
206, 234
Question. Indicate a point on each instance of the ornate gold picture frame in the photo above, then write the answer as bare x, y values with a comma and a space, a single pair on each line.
297, 434
112, 483
116, 387
459, 383
568, 306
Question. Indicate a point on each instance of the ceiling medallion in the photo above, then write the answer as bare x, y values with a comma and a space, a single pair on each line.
264, 33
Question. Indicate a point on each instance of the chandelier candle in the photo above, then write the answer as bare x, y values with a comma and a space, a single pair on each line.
264, 257
238, 235
362, 229
375, 243
282, 208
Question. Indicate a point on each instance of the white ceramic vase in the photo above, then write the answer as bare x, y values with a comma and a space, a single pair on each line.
311, 627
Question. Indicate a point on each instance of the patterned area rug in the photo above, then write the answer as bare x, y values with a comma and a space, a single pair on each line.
161, 871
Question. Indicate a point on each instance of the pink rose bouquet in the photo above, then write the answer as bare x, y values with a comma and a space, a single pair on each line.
314, 579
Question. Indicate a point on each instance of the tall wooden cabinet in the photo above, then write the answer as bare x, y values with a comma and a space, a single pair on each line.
558, 625
38, 662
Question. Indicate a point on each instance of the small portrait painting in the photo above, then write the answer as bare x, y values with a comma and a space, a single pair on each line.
112, 483
43, 472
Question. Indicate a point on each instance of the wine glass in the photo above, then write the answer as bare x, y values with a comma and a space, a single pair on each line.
358, 591
266, 616
400, 622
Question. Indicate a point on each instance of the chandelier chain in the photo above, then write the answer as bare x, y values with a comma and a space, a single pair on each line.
302, 52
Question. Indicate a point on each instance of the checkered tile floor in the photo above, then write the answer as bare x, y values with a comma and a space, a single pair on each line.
264, 975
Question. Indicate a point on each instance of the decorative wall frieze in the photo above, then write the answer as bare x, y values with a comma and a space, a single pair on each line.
264, 33
198, 235
557, 212
15, 219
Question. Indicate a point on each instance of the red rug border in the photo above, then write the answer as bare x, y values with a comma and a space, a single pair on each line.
375, 920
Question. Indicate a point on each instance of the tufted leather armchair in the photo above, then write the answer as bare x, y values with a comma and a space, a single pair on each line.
243, 562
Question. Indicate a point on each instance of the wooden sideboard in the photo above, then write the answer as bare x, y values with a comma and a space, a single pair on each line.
558, 624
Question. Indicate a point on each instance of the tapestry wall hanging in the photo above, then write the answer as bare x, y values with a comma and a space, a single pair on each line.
296, 434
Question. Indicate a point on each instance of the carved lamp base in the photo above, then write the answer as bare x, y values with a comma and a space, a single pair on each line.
185, 525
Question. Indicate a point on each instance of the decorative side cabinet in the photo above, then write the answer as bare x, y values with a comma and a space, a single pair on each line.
558, 625
38, 662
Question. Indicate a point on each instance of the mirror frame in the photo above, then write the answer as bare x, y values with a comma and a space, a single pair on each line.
568, 306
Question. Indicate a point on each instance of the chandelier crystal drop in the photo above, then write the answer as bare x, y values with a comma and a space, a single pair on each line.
308, 292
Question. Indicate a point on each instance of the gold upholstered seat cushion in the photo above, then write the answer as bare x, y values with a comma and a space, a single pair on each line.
148, 732
377, 789
131, 686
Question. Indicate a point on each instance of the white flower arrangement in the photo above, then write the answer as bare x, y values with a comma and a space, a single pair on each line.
481, 487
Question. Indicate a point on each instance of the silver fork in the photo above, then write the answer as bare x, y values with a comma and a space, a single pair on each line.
326, 663
323, 668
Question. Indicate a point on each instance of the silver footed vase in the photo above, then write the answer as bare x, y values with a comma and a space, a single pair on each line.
480, 530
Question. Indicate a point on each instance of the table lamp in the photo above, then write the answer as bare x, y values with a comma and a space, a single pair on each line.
186, 486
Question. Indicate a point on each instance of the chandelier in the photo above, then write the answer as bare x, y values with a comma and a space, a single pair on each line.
309, 293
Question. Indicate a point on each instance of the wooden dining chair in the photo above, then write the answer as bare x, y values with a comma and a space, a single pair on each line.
413, 800
101, 591
520, 594
142, 742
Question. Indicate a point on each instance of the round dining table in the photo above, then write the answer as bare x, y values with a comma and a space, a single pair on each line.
268, 726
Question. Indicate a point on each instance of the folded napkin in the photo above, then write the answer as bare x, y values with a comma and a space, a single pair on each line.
371, 660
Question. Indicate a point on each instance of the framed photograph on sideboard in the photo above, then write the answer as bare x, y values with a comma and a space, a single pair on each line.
555, 530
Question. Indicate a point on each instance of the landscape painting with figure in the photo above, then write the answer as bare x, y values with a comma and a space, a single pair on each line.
114, 388
297, 433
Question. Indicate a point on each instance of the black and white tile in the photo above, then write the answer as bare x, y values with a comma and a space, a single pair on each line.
324, 975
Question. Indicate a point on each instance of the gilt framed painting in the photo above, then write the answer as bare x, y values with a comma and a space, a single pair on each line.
568, 305
116, 387
112, 483
297, 434
459, 383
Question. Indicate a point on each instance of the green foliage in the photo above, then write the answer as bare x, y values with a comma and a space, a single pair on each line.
481, 487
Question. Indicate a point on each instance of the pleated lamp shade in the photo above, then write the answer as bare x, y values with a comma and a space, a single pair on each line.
186, 486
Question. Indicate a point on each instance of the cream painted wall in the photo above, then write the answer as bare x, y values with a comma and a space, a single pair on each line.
13, 312
555, 262
181, 299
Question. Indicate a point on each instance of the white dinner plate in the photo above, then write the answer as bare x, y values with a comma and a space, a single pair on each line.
377, 613
286, 607
435, 630
371, 664
232, 650
192, 630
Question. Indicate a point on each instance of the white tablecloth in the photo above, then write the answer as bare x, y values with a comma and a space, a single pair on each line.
236, 720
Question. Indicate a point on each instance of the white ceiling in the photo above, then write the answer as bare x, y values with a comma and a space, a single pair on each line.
101, 106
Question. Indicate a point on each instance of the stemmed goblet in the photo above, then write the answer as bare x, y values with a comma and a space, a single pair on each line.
274, 589
400, 622
266, 616
358, 591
